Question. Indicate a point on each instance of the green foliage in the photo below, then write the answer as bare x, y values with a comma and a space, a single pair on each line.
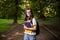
39, 7
49, 12
44, 8
8, 8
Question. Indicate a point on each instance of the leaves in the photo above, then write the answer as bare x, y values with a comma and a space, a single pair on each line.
47, 8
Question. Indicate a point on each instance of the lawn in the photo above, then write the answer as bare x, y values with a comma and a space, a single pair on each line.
51, 21
5, 24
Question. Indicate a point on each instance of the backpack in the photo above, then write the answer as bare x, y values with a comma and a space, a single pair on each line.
37, 28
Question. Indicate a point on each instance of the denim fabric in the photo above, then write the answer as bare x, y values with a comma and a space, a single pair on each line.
29, 37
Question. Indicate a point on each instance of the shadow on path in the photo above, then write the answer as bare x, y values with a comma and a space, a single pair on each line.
17, 34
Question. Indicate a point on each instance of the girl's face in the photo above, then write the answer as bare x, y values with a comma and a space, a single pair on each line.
28, 12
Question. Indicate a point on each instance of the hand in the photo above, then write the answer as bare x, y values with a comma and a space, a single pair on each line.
25, 27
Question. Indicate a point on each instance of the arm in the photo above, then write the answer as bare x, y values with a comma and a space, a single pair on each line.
24, 26
33, 28
33, 25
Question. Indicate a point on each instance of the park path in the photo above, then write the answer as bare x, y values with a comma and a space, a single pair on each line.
17, 34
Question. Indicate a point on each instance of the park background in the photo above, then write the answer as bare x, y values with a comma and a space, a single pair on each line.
45, 11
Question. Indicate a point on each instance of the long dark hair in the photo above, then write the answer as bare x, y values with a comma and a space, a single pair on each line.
31, 16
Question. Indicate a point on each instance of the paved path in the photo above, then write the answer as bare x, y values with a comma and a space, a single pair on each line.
17, 34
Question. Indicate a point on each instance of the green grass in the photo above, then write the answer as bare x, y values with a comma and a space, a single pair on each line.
2, 21
5, 24
5, 27
21, 20
51, 21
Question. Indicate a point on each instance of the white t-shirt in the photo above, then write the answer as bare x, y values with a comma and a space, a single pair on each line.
33, 23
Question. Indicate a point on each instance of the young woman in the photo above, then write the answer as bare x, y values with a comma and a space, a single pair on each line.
29, 33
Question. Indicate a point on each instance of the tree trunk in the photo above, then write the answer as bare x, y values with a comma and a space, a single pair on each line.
42, 15
16, 12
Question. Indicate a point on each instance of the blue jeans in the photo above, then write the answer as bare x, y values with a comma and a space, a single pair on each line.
29, 37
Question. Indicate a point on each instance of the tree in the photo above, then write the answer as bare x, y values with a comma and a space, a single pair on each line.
39, 7
16, 12
10, 9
